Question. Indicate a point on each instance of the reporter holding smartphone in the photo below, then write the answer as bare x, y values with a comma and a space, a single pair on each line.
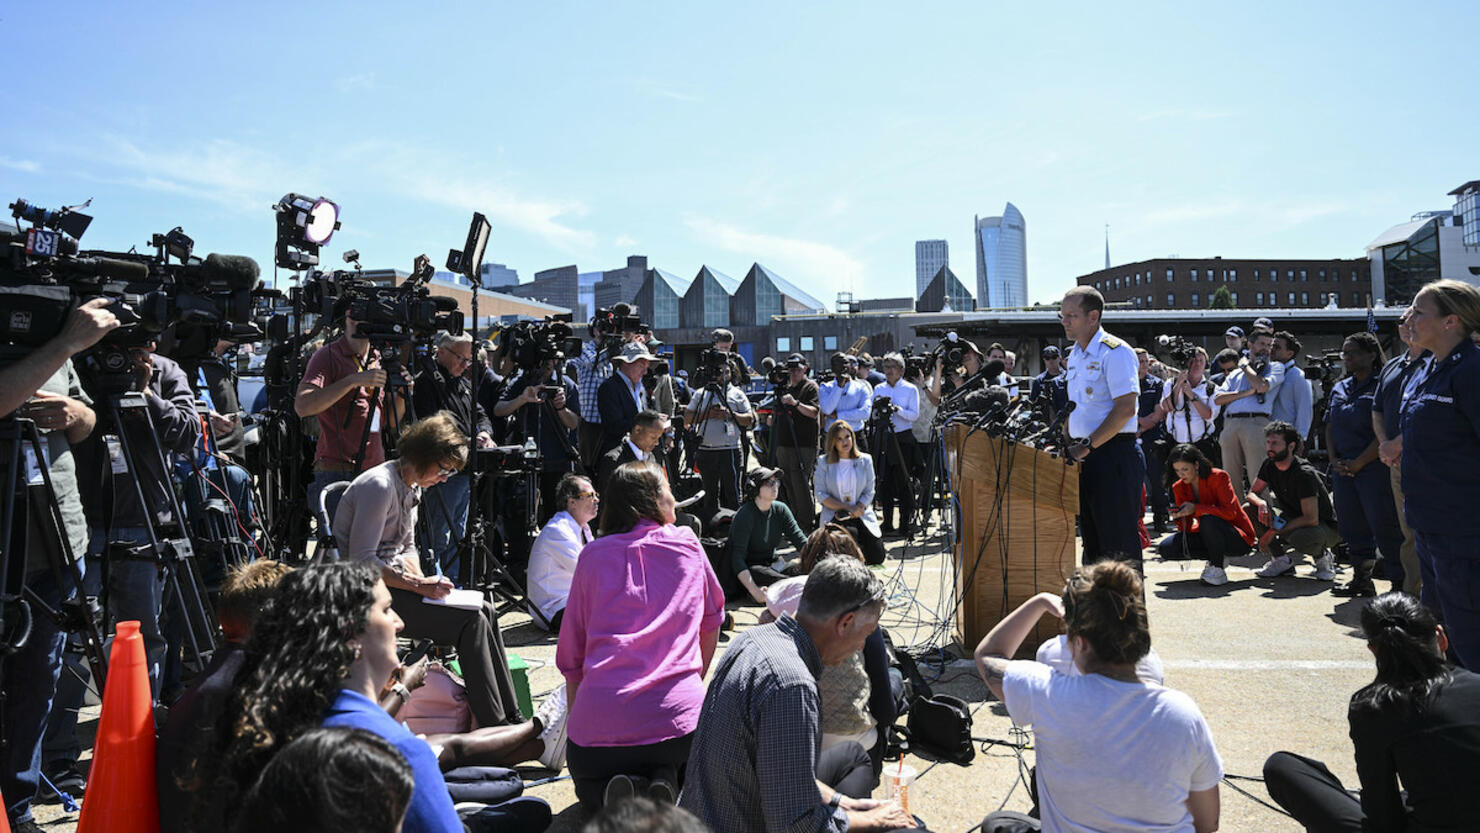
552, 428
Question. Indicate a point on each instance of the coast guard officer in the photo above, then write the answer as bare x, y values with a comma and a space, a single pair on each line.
1103, 386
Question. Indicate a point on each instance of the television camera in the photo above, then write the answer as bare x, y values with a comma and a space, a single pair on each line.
1177, 349
532, 343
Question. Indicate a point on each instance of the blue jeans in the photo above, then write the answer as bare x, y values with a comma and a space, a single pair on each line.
135, 592
445, 528
30, 682
1455, 563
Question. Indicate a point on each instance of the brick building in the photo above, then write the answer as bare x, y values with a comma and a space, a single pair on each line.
1187, 283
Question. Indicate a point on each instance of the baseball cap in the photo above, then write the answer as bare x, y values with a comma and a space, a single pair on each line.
1050, 352
1234, 331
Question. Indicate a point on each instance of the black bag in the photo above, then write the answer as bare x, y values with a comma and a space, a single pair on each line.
941, 725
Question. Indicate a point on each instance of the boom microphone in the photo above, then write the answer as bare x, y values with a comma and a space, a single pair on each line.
1058, 420
236, 271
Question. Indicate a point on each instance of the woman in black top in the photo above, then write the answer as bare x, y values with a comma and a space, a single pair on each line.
1419, 721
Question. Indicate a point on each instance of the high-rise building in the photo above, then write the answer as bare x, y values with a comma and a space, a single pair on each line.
930, 255
494, 275
1001, 259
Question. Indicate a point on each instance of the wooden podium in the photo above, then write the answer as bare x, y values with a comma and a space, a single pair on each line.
1017, 531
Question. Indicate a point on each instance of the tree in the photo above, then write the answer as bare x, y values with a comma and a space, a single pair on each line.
1221, 299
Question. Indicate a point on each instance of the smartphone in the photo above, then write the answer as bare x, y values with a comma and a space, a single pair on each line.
420, 650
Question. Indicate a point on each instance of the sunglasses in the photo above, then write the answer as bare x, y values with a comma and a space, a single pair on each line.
446, 472
878, 596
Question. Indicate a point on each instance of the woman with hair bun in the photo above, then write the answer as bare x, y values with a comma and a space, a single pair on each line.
1115, 752
1418, 723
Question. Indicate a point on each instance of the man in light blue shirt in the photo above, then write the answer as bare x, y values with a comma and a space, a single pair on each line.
896, 445
846, 397
1292, 403
1247, 398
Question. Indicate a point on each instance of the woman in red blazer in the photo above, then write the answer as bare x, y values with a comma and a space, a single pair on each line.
1209, 517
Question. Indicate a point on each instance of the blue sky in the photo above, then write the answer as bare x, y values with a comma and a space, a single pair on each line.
821, 139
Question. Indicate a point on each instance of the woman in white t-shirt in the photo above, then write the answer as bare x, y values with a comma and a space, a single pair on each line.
1115, 753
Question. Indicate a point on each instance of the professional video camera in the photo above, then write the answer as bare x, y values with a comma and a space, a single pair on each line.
399, 313
1176, 348
44, 275
882, 412
619, 319
531, 343
712, 366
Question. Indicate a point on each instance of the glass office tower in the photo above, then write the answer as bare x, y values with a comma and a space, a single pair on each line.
1001, 259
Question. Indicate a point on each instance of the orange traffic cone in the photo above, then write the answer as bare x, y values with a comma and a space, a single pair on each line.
121, 796
4, 816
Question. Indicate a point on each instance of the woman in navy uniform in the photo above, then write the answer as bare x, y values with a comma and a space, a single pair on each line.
1360, 485
1102, 385
1440, 421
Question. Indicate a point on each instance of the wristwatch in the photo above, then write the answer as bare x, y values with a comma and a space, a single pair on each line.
401, 691
837, 800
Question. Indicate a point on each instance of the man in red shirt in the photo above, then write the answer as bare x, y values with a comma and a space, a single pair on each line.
342, 380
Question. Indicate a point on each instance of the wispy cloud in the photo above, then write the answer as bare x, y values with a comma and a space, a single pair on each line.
220, 171
359, 82
23, 165
807, 262
624, 241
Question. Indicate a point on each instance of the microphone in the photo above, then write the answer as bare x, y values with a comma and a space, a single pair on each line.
1058, 420
1003, 411
236, 271
989, 372
979, 401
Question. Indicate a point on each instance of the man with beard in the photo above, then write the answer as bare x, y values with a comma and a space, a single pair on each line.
1306, 520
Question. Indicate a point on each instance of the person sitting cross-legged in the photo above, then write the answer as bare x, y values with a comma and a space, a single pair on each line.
755, 533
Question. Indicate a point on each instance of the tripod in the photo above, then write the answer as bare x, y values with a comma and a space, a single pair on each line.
880, 426
19, 603
174, 553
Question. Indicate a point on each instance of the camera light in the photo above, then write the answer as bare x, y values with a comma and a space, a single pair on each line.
321, 221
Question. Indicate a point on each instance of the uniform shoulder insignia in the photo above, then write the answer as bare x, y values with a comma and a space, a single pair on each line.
1111, 341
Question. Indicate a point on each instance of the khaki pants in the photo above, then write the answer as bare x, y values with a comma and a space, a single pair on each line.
1412, 578
1242, 443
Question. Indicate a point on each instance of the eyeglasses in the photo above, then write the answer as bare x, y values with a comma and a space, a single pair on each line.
446, 472
584, 495
878, 596
459, 358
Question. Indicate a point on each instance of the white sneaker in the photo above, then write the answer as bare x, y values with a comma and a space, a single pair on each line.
1324, 568
1280, 565
1214, 576
552, 715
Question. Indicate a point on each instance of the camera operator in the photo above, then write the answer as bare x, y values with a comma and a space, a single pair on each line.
794, 436
443, 385
717, 414
845, 396
1246, 397
1006, 380
497, 369
623, 396
593, 368
1152, 439
342, 382
901, 454
1188, 403
552, 428
119, 531
42, 386
682, 393
865, 371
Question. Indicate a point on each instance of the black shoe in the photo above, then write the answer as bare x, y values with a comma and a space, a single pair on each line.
28, 826
1358, 589
619, 788
662, 791
66, 778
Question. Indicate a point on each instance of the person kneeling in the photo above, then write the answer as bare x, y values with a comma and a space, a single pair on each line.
1210, 520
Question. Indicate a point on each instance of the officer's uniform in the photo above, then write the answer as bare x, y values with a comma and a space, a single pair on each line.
1152, 390
1110, 477
1365, 514
1440, 416
1388, 399
1051, 389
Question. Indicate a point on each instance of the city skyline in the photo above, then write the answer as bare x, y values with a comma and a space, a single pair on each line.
1235, 131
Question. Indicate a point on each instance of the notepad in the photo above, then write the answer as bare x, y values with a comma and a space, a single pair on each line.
464, 599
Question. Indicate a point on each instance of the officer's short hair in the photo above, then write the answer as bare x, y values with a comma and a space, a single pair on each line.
721, 335
894, 356
448, 339
839, 585
1090, 298
649, 418
1227, 354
